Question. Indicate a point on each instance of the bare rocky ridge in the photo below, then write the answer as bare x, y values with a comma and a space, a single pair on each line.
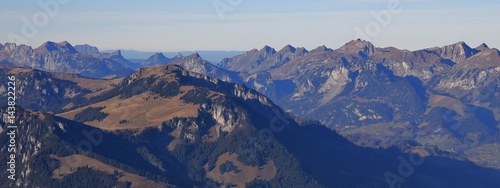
49, 47
358, 47
456, 52
62, 57
482, 47
247, 61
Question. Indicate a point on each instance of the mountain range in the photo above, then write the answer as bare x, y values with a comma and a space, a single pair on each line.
357, 116
211, 56
62, 57
164, 126
444, 96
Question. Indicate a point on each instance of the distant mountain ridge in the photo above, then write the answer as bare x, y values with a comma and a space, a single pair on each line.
117, 56
63, 57
211, 56
264, 59
159, 59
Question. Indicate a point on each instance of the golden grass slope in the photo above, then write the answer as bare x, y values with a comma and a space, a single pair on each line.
140, 111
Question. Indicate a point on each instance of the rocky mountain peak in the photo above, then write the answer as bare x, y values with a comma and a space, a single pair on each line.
50, 46
321, 49
158, 55
358, 46
193, 60
247, 61
268, 50
463, 46
301, 50
193, 56
66, 46
288, 48
116, 54
156, 59
63, 43
482, 47
9, 46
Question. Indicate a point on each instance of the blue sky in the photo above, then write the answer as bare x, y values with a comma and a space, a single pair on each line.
196, 25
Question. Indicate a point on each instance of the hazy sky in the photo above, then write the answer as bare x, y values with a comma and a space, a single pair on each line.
246, 24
